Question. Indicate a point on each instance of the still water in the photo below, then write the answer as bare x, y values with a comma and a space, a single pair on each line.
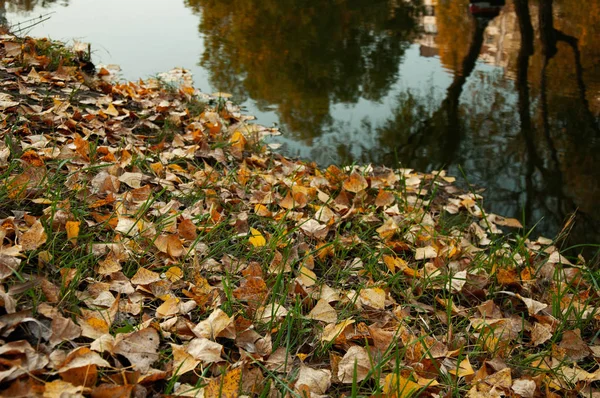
505, 92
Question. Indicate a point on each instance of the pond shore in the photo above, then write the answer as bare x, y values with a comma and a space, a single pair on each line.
153, 244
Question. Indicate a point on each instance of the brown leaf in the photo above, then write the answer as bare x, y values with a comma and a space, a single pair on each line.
183, 362
524, 387
144, 276
540, 334
355, 365
332, 331
324, 312
50, 290
316, 381
140, 348
34, 237
574, 347
63, 329
60, 389
204, 350
252, 289
373, 297
112, 391
169, 244
384, 198
218, 324
187, 229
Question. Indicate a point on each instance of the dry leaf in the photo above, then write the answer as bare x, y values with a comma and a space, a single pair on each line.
355, 183
169, 244
34, 237
218, 324
464, 368
225, 386
72, 228
324, 312
144, 276
204, 350
256, 238
183, 362
399, 387
140, 348
316, 381
332, 331
374, 298
524, 387
355, 365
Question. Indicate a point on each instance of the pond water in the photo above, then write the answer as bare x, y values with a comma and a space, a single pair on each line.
506, 93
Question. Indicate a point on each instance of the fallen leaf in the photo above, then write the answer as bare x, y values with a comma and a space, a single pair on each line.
60, 389
423, 253
218, 324
355, 183
144, 276
72, 228
316, 381
464, 368
34, 237
169, 244
354, 366
256, 238
183, 362
140, 348
332, 331
225, 386
204, 350
524, 387
372, 297
324, 312
399, 387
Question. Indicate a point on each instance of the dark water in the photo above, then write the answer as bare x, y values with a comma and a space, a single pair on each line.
507, 93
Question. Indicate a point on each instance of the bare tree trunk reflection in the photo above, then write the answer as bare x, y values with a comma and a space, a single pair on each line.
525, 52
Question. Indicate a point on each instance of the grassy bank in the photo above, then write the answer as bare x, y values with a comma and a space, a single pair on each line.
152, 244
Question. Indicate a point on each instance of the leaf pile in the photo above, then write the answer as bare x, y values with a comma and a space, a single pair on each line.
152, 244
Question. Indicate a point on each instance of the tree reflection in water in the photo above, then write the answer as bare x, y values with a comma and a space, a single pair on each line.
302, 56
526, 128
540, 164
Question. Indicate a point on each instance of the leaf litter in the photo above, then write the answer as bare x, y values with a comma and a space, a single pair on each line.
151, 244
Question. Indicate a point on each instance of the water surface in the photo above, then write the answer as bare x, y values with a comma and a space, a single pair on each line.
506, 92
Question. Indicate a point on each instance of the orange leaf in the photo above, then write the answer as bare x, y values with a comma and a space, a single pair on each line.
82, 147
384, 198
72, 231
355, 183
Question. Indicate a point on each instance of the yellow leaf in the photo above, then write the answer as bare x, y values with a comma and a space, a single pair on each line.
72, 230
399, 387
225, 386
111, 110
464, 368
174, 274
256, 238
332, 331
